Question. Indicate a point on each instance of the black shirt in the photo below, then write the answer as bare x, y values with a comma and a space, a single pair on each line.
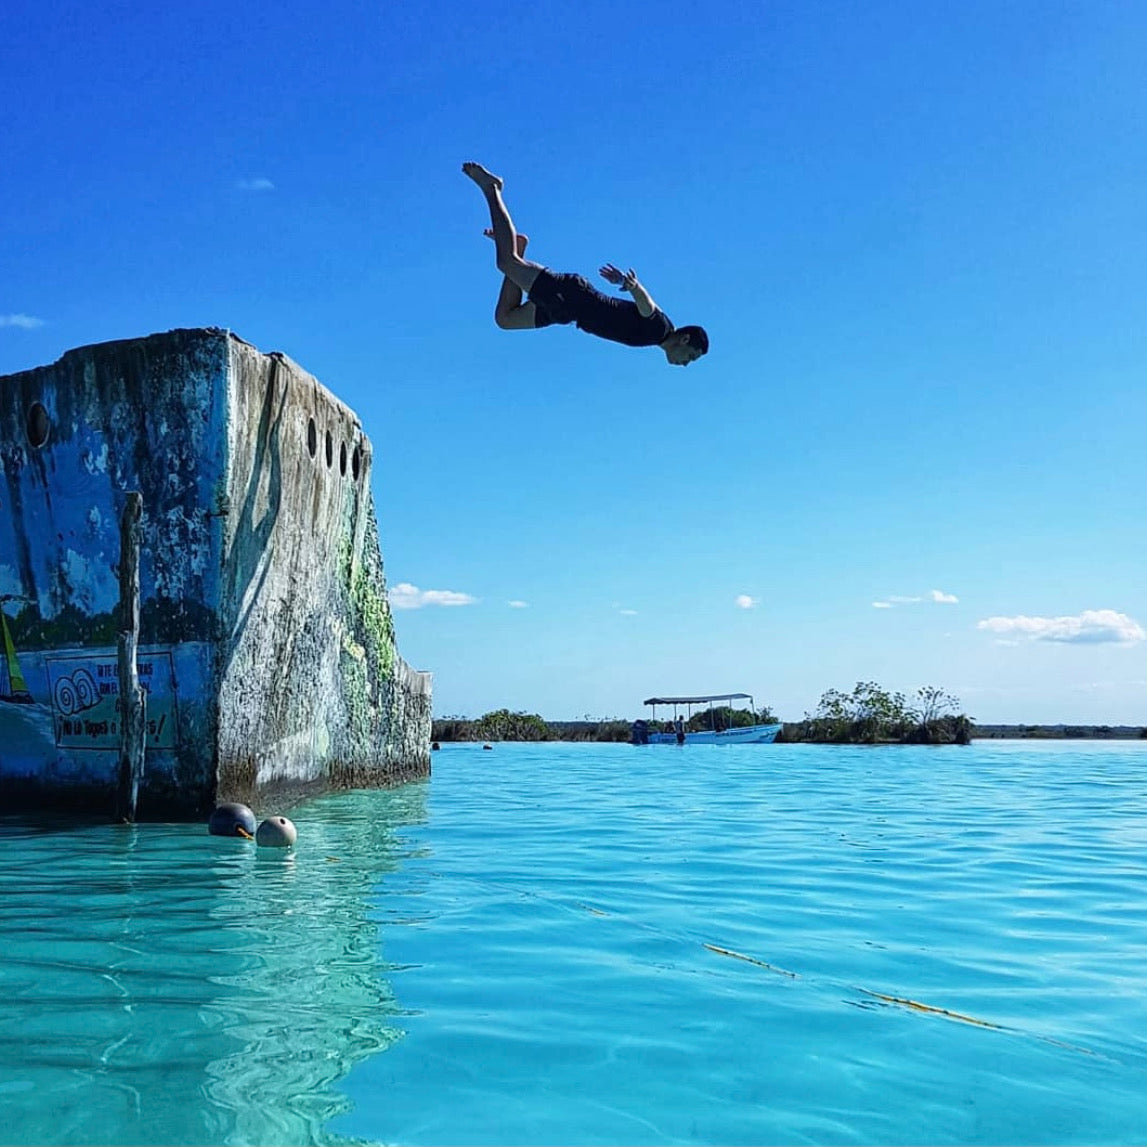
565, 298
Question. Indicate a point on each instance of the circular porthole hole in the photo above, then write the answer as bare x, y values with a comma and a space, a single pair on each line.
39, 425
330, 449
312, 437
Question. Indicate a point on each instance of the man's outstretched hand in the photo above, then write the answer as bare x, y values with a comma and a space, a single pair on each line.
626, 281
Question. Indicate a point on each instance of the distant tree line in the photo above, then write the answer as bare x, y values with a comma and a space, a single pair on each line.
725, 717
504, 725
1062, 732
872, 715
867, 715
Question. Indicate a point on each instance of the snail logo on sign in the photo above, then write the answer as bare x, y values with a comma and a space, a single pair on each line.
76, 693
85, 700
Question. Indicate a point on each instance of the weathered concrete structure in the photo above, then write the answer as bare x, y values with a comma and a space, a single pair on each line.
266, 641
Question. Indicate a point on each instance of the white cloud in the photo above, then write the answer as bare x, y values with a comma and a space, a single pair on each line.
255, 185
24, 322
901, 599
407, 596
518, 604
744, 601
628, 612
1091, 627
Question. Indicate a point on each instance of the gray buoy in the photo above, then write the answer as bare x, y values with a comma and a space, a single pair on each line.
276, 832
231, 819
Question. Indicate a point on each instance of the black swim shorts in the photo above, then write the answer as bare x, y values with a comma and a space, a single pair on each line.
557, 297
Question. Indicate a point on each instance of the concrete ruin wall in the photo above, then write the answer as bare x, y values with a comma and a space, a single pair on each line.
312, 690
267, 642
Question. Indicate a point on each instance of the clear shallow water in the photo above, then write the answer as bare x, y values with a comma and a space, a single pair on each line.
159, 985
516, 952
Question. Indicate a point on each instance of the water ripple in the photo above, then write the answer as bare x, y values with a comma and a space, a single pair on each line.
583, 944
783, 945
164, 986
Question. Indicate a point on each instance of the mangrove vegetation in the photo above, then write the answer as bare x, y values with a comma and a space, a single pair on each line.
868, 715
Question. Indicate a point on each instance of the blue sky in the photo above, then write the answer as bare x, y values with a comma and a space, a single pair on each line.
913, 230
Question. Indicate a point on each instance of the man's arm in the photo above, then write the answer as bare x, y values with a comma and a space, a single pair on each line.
628, 281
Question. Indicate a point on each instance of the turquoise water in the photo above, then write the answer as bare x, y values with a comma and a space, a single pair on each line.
905, 945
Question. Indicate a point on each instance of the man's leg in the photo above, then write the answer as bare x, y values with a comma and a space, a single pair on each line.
519, 271
510, 313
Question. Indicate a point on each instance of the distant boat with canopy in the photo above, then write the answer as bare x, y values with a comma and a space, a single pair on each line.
644, 733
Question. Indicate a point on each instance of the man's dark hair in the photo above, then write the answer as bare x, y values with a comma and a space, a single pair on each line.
697, 337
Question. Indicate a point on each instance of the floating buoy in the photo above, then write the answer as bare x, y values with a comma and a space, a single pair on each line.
231, 819
488, 747
434, 746
276, 832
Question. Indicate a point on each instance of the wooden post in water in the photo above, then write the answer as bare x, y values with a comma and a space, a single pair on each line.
132, 704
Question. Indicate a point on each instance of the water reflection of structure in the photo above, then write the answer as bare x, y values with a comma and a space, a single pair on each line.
186, 988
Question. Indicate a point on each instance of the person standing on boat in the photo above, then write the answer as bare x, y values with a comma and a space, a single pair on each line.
557, 299
679, 729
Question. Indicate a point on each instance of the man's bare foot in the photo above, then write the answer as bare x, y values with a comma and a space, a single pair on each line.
486, 180
523, 240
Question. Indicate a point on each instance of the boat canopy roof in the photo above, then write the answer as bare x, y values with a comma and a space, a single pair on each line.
698, 700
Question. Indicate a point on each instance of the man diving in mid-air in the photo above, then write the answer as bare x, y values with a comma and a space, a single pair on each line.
555, 298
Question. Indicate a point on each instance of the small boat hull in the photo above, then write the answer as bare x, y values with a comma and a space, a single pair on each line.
746, 735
